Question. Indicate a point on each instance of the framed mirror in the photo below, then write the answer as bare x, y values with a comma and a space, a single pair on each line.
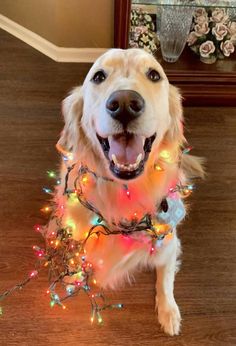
201, 84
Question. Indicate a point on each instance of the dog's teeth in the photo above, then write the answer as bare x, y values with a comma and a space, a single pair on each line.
139, 158
113, 156
127, 167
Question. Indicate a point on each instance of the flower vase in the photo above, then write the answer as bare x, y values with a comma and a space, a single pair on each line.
174, 29
211, 60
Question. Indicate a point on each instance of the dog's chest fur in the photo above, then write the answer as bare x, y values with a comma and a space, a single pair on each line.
114, 257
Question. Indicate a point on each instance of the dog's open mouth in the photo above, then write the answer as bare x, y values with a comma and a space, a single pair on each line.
127, 153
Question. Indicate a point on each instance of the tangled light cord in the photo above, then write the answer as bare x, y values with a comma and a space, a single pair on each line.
65, 258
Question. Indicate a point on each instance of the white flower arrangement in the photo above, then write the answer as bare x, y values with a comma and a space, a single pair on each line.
213, 34
142, 31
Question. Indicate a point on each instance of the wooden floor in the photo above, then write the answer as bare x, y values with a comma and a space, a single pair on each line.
31, 88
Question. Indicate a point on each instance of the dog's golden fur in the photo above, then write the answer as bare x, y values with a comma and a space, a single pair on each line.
85, 115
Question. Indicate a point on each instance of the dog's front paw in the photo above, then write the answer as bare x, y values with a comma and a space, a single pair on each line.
169, 318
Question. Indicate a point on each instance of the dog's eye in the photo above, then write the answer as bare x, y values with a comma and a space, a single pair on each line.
99, 77
153, 75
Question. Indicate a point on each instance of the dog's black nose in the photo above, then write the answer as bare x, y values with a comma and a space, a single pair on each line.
125, 105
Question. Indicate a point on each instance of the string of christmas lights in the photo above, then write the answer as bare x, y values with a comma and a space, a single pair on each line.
65, 257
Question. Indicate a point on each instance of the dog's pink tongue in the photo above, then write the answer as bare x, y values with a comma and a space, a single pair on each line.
126, 148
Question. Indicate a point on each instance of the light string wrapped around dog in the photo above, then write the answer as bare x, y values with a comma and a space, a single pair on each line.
65, 257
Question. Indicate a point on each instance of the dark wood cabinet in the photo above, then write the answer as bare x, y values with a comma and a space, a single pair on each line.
201, 84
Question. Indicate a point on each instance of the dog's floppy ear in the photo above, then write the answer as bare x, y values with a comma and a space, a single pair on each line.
175, 132
72, 110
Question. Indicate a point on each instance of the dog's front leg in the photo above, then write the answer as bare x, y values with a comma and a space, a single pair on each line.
168, 311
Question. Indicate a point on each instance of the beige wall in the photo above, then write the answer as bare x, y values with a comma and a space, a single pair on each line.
66, 23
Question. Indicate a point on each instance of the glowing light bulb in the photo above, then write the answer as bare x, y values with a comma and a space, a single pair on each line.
190, 187
33, 273
47, 190
166, 156
67, 156
70, 156
51, 174
37, 228
56, 297
158, 168
46, 209
99, 319
152, 250
92, 317
84, 179
63, 307
94, 281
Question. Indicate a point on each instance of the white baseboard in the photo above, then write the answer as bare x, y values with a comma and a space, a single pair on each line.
59, 54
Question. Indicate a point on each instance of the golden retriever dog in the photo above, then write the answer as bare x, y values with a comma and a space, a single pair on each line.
125, 126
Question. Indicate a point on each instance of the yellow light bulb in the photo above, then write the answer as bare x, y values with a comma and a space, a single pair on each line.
46, 209
84, 179
158, 168
165, 155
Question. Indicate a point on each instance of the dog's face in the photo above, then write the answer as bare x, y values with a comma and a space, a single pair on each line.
126, 109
